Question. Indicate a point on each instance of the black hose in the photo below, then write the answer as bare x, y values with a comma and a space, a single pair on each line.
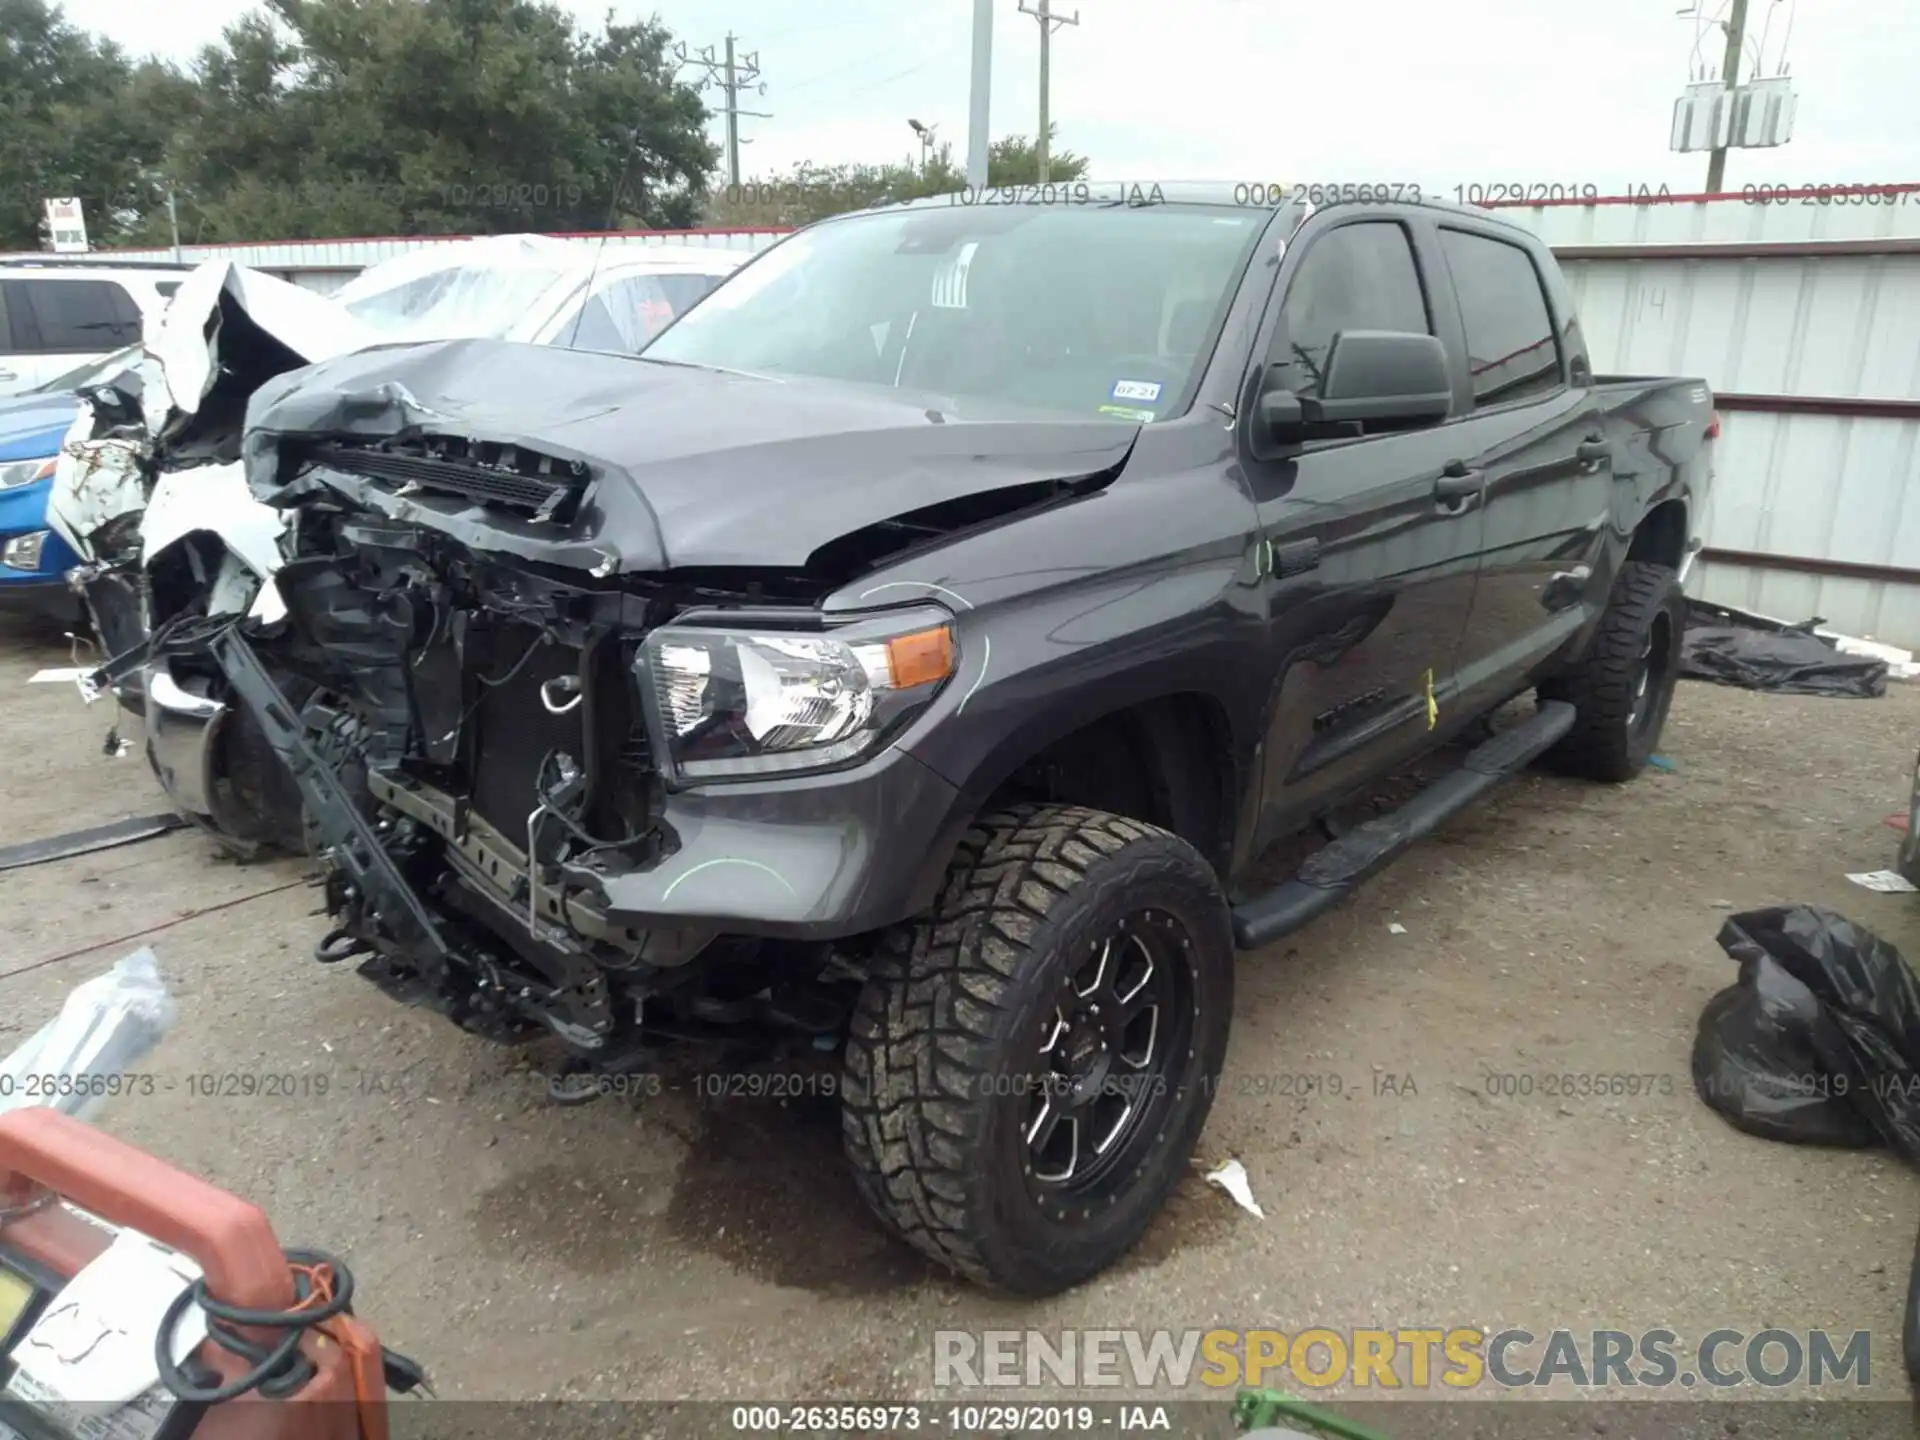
270, 1363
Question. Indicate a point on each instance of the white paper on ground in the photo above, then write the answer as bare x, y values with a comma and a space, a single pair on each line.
60, 676
1232, 1178
1886, 882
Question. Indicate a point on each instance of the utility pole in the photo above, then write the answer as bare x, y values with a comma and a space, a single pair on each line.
1048, 22
977, 137
173, 222
1736, 37
733, 118
731, 74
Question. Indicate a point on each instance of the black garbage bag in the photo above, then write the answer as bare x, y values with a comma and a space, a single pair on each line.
1753, 1062
1864, 1024
1789, 662
1817, 1044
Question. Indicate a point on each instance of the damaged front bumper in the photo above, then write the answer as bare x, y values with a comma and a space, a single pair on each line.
801, 858
452, 902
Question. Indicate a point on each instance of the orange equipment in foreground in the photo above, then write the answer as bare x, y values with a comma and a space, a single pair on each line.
284, 1358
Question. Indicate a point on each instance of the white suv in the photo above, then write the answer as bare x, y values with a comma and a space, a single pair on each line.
58, 312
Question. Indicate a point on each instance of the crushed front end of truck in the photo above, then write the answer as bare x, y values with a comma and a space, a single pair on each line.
500, 707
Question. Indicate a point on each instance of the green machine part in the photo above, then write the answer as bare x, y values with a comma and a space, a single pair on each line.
1256, 1408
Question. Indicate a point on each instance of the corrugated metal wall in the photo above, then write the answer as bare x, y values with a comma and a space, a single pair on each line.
1811, 512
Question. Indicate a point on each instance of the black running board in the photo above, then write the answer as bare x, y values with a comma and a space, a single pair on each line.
1333, 873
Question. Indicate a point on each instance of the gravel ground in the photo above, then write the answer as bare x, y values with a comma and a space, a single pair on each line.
672, 1247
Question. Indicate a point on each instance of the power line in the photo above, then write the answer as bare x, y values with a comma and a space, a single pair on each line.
1049, 22
730, 73
886, 80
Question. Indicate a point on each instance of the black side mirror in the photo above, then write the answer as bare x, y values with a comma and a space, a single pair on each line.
1383, 378
1386, 375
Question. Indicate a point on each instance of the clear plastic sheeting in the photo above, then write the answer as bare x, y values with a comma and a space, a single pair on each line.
471, 288
535, 289
1818, 1043
107, 1025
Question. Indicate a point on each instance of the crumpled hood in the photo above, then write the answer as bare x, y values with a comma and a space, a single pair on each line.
694, 467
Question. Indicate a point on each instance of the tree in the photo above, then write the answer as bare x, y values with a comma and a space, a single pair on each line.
77, 118
1015, 160
812, 192
385, 117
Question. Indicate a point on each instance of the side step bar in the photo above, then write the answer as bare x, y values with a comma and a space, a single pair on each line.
1333, 873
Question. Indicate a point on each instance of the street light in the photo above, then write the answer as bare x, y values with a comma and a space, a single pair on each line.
925, 132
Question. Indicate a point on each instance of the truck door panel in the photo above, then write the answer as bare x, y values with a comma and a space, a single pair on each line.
1540, 438
1370, 571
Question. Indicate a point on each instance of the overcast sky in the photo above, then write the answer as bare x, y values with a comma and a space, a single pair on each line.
1521, 91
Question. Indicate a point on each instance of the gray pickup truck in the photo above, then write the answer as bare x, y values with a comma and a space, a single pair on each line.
911, 651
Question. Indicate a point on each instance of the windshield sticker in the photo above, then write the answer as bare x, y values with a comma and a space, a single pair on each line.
950, 281
1127, 412
1135, 390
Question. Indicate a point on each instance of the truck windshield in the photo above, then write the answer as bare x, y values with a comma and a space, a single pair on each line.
1104, 311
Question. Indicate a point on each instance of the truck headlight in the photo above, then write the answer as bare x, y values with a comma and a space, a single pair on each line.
737, 703
24, 472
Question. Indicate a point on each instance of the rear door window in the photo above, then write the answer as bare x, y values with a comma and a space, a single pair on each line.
1511, 350
70, 317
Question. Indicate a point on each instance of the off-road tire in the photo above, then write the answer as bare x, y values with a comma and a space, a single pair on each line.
1908, 861
1603, 745
940, 1042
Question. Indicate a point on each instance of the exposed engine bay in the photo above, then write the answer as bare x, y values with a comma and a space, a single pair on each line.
471, 755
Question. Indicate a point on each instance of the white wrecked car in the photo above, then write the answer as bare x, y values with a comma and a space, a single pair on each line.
150, 493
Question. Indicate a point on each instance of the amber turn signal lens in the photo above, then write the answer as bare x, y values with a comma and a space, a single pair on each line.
920, 658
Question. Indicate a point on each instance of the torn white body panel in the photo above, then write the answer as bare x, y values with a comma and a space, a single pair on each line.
202, 341
94, 482
213, 498
188, 343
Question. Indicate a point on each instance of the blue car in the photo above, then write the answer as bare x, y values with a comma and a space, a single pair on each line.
34, 560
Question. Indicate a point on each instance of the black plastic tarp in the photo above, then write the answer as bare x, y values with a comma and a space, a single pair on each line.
1818, 1043
1731, 647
